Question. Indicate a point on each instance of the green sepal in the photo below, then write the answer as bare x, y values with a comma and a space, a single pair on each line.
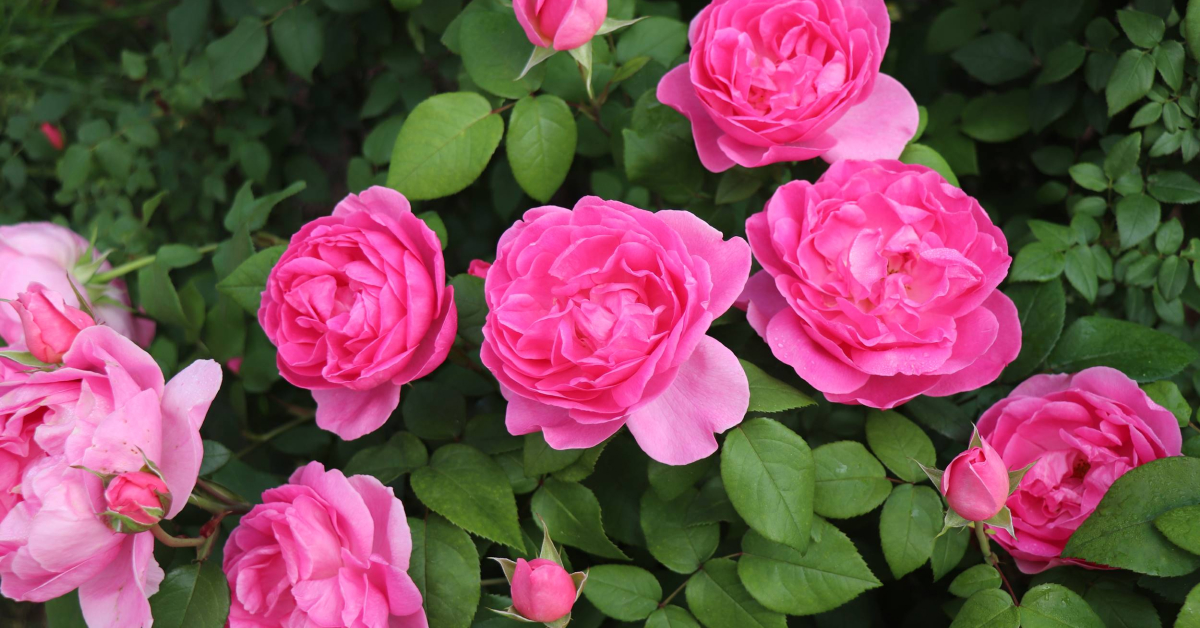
512, 614
121, 524
976, 439
25, 358
538, 55
583, 56
508, 566
611, 25
1015, 477
934, 474
1003, 520
953, 520
548, 551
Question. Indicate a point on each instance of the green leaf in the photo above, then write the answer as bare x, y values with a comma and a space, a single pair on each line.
403, 453
1062, 62
996, 117
660, 38
1041, 308
434, 411
900, 444
192, 596
717, 596
1143, 29
1172, 277
380, 142
1191, 24
1137, 219
541, 144
911, 518
1121, 533
1055, 606
541, 459
64, 612
1189, 615
952, 28
1089, 176
671, 539
469, 488
1169, 58
623, 592
671, 481
737, 184
1117, 605
1173, 186
74, 167
215, 457
988, 609
444, 145
299, 40
1181, 527
133, 65
1123, 156
187, 23
1081, 272
572, 513
247, 282
930, 158
995, 58
253, 213
494, 53
849, 480
434, 221
1130, 81
768, 394
445, 567
769, 473
671, 616
1142, 353
237, 54
948, 551
829, 574
975, 579
1166, 394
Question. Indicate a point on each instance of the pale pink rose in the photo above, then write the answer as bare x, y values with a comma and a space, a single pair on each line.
323, 550
597, 318
879, 284
975, 483
1081, 432
560, 24
47, 254
789, 80
138, 496
48, 323
358, 305
106, 411
542, 590
478, 268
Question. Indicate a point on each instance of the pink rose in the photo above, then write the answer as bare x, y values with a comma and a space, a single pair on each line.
561, 24
597, 318
48, 324
137, 495
1083, 431
358, 305
47, 254
323, 550
976, 483
542, 590
52, 135
789, 80
879, 284
106, 411
478, 268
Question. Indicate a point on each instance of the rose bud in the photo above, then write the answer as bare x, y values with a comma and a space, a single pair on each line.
478, 268
976, 483
48, 323
138, 497
560, 24
53, 135
542, 590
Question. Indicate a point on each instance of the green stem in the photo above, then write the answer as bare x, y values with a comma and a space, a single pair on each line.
676, 592
175, 541
991, 558
489, 582
207, 503
258, 439
141, 262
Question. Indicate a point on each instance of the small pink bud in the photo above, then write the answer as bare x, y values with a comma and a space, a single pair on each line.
234, 364
542, 590
560, 24
479, 268
976, 483
48, 323
135, 495
53, 135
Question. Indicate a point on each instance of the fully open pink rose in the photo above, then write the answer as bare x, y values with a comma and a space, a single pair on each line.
137, 495
542, 590
48, 324
1081, 432
976, 483
357, 306
106, 411
560, 24
879, 284
323, 550
789, 80
598, 318
47, 254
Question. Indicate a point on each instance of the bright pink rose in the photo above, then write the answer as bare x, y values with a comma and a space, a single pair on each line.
478, 268
879, 284
323, 550
136, 495
597, 318
561, 24
358, 305
106, 410
47, 254
789, 80
48, 323
52, 135
976, 483
542, 590
1083, 431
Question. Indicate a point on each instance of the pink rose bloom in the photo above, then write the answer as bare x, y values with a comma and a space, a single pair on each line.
358, 305
789, 80
1083, 431
542, 590
478, 268
560, 24
137, 495
48, 323
53, 135
47, 254
879, 284
597, 318
106, 410
976, 483
323, 550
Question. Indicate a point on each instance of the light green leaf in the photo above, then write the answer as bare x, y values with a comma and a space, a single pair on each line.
192, 596
769, 473
988, 609
444, 145
495, 51
471, 490
900, 444
541, 144
948, 551
623, 592
1173, 186
445, 567
660, 38
540, 458
849, 480
247, 282
572, 513
1130, 81
1182, 527
975, 579
671, 616
1056, 606
911, 518
768, 394
717, 596
1143, 29
925, 156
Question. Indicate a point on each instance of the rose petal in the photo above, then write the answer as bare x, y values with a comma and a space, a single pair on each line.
877, 128
353, 413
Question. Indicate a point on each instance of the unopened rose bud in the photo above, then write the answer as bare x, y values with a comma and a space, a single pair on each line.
560, 24
976, 483
48, 323
479, 268
542, 590
53, 135
137, 497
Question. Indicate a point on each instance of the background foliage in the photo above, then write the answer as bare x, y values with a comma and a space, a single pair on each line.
205, 132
